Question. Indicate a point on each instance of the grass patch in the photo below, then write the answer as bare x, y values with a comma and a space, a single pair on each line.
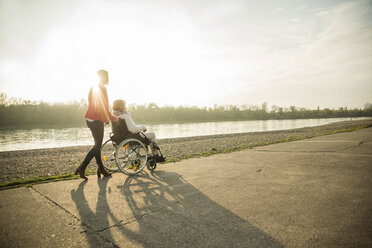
27, 182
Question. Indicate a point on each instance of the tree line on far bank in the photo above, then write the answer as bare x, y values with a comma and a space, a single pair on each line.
18, 113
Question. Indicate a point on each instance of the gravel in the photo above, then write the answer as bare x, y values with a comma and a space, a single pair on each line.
57, 161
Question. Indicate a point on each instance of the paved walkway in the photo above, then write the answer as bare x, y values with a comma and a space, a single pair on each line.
308, 193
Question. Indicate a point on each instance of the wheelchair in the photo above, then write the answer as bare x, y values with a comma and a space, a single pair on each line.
131, 155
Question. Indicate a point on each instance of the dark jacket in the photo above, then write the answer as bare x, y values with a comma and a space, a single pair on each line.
121, 132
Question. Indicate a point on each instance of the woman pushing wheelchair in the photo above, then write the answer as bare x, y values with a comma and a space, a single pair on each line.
125, 128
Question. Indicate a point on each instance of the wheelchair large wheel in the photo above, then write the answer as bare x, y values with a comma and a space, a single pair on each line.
131, 156
108, 151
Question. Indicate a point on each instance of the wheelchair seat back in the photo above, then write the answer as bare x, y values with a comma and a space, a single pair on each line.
121, 132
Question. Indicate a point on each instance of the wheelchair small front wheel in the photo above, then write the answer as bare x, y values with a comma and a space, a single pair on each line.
151, 164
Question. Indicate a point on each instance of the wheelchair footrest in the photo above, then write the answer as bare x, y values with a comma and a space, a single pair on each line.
158, 158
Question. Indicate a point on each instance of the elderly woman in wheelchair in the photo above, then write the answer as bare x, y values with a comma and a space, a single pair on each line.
133, 146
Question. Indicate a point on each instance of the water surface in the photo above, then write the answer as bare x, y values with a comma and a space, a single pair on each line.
24, 139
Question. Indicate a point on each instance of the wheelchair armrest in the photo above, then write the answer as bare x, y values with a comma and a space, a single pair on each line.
147, 139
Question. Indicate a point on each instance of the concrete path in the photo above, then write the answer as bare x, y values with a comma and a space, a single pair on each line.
309, 193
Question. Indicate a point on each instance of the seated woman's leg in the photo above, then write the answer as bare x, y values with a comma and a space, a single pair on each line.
156, 153
152, 138
150, 135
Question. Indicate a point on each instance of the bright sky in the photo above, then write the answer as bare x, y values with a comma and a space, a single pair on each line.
190, 52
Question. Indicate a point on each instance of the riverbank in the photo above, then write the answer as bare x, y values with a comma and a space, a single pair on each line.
48, 163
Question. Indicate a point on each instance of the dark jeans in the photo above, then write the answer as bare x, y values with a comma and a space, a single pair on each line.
97, 129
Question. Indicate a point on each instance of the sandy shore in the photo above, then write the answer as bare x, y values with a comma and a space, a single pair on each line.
56, 161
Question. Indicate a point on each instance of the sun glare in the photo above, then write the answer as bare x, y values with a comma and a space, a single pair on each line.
186, 57
95, 90
164, 62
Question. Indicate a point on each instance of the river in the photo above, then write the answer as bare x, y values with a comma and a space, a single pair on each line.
24, 139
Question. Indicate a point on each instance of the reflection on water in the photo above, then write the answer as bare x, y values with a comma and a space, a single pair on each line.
23, 139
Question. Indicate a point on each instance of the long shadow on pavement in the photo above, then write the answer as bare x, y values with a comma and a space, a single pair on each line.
169, 212
99, 219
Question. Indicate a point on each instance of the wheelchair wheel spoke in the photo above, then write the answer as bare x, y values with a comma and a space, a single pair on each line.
132, 156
